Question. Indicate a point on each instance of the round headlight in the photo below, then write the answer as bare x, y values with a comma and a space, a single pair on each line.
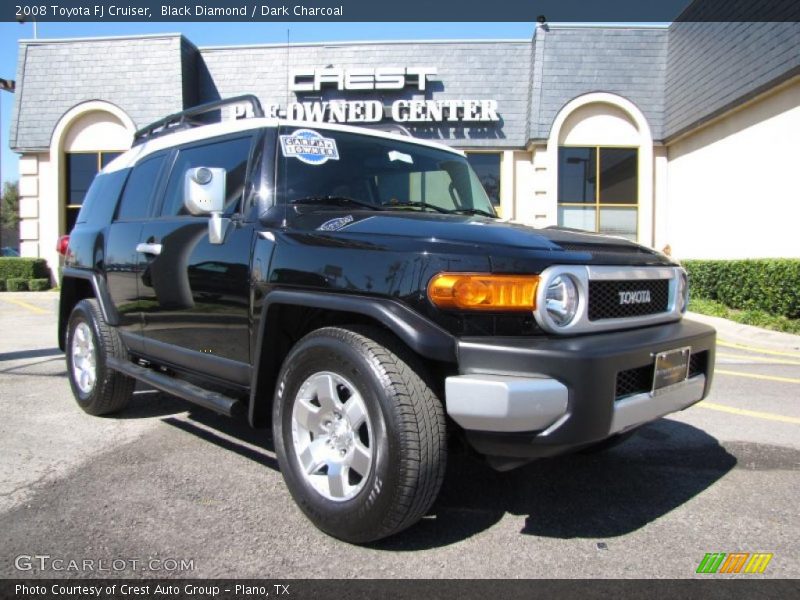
682, 293
561, 300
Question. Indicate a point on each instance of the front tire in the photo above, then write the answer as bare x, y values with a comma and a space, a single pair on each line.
90, 341
359, 435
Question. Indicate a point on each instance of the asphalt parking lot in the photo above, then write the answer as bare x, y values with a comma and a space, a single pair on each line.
166, 480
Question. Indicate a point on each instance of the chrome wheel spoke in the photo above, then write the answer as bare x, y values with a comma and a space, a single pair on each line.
355, 411
308, 415
361, 459
327, 394
312, 458
337, 479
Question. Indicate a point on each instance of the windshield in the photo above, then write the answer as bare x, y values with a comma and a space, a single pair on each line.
363, 171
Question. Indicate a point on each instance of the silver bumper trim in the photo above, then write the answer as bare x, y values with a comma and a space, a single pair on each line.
641, 408
505, 404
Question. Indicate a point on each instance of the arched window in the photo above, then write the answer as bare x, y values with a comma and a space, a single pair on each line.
86, 139
604, 166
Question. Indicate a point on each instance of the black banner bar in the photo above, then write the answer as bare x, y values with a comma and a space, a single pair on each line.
710, 588
406, 10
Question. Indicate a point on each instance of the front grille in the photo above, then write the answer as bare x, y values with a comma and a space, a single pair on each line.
605, 301
697, 364
640, 379
634, 381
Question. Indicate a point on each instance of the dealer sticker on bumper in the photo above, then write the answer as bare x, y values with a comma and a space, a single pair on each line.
672, 368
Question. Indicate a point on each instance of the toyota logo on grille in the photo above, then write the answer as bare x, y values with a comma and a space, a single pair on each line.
634, 297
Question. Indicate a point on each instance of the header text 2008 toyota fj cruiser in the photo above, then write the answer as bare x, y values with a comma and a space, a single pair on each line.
356, 289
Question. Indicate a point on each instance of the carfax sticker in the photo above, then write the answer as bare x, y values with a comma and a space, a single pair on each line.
309, 146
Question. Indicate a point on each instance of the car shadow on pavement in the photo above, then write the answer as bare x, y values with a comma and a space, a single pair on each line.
148, 403
232, 434
37, 353
594, 496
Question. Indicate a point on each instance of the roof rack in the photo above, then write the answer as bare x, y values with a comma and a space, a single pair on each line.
183, 120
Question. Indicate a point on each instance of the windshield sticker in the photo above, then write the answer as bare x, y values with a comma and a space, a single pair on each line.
402, 157
309, 147
336, 224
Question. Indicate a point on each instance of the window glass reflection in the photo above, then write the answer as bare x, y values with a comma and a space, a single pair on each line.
487, 167
603, 179
619, 221
81, 169
577, 175
618, 180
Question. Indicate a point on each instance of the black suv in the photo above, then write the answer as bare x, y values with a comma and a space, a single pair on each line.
356, 289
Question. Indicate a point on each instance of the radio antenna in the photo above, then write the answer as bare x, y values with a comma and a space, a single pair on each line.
287, 71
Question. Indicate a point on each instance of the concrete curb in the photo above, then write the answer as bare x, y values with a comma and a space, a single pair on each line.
747, 335
30, 295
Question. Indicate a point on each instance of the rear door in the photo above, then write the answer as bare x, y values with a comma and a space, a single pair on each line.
196, 295
122, 264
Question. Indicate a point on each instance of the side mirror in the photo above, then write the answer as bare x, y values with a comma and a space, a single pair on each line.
204, 190
204, 194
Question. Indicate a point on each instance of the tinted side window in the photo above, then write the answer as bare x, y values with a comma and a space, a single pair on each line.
142, 184
101, 199
230, 155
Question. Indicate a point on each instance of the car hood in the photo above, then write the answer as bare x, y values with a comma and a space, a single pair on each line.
482, 231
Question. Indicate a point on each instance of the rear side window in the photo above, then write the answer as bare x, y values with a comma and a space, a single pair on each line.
101, 199
231, 155
142, 184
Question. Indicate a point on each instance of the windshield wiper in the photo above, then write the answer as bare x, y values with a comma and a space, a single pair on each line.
335, 200
472, 211
415, 204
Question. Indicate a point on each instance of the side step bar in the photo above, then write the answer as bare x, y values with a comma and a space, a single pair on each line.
177, 387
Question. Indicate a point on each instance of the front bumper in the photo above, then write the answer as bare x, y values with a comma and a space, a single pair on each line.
535, 397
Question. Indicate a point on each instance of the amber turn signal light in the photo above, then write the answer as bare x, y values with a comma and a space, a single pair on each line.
482, 291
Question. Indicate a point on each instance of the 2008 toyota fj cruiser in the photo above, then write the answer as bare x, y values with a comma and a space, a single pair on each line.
356, 288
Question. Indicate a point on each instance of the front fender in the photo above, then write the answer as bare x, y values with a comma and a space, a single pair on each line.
423, 336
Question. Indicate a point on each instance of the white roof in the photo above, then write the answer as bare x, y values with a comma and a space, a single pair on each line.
195, 134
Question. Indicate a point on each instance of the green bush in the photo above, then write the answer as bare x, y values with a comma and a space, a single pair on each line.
757, 318
771, 285
16, 284
23, 268
38, 285
2, 285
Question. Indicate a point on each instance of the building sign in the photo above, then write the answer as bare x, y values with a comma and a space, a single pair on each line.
404, 111
382, 78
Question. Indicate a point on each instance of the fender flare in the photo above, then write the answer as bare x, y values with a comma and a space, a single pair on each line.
100, 289
422, 335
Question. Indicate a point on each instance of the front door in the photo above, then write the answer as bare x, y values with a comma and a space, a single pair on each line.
195, 294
